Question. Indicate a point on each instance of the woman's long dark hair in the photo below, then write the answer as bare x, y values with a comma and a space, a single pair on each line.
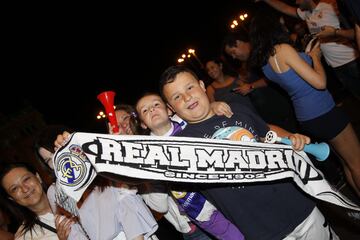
22, 214
266, 31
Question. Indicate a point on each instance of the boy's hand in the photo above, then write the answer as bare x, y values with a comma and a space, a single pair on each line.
221, 108
63, 226
61, 139
299, 141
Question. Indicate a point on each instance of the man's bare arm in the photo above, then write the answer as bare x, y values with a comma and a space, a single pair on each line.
282, 7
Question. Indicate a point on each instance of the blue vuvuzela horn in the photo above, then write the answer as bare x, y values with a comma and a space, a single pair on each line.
320, 151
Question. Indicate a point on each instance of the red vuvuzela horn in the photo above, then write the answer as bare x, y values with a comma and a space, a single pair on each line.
107, 100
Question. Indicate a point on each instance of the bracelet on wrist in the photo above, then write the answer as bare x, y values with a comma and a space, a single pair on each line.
335, 32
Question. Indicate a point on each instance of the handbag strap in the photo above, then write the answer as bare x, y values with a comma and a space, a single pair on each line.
42, 224
50, 228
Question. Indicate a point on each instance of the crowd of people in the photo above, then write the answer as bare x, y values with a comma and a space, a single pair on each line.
281, 85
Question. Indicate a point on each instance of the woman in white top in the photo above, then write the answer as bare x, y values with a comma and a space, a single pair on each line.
105, 211
25, 198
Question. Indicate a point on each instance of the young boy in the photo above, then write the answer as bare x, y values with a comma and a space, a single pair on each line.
276, 210
154, 115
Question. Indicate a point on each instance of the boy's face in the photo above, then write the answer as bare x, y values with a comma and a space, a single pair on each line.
186, 96
153, 112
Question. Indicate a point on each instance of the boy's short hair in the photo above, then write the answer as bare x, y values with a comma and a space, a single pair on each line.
169, 76
142, 96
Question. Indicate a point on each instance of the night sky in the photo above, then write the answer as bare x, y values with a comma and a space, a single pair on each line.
59, 57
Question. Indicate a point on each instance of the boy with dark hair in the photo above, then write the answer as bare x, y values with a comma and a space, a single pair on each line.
276, 210
154, 115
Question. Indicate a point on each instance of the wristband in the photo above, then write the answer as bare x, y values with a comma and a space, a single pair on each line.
335, 32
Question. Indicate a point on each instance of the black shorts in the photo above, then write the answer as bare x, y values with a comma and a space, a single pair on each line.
326, 126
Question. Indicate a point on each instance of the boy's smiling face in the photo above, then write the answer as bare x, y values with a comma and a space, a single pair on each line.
187, 97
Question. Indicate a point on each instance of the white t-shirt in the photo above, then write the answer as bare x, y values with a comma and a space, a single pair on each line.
335, 53
38, 232
154, 200
113, 213
163, 203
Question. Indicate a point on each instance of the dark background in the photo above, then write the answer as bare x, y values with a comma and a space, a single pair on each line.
58, 57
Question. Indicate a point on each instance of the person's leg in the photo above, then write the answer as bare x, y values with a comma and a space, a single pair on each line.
314, 226
347, 145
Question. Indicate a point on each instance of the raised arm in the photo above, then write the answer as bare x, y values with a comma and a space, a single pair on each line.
330, 31
282, 7
288, 57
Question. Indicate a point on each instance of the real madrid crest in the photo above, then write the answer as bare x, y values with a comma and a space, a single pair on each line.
71, 169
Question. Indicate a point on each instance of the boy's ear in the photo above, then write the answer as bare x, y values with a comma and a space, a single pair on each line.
143, 126
169, 111
202, 85
168, 105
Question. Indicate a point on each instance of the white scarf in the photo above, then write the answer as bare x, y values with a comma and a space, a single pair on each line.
184, 159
